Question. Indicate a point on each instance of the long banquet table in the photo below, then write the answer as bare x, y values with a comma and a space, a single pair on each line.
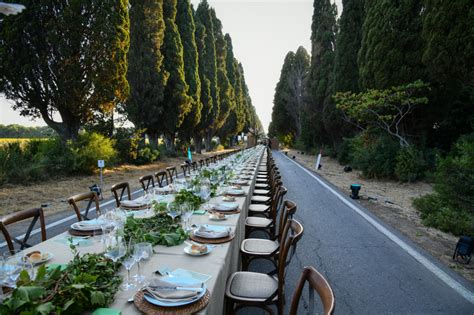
219, 264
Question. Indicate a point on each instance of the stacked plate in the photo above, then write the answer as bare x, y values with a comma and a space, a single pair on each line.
225, 206
174, 291
138, 204
89, 227
212, 231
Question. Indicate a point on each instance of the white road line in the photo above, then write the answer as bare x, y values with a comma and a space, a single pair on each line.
69, 218
443, 276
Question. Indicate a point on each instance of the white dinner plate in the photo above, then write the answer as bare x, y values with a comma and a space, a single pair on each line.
188, 251
177, 281
45, 257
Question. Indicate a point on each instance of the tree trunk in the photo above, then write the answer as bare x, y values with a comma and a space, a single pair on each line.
169, 142
153, 138
197, 143
207, 142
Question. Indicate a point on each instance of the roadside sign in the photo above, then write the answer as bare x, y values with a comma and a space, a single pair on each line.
100, 163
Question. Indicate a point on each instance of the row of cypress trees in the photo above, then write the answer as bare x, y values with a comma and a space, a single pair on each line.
166, 67
184, 78
376, 45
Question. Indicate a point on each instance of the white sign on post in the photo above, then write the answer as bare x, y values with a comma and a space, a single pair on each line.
318, 161
100, 163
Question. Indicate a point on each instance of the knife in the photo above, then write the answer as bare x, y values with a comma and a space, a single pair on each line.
198, 290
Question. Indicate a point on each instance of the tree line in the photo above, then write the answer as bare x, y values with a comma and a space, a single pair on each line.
389, 89
163, 65
423, 47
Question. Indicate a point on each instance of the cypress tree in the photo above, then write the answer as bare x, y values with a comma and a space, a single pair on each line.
176, 103
208, 64
448, 34
226, 91
346, 71
391, 49
145, 72
320, 82
187, 30
66, 58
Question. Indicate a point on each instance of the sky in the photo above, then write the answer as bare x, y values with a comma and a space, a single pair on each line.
262, 33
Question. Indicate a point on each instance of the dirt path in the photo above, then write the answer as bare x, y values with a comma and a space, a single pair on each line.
54, 193
392, 202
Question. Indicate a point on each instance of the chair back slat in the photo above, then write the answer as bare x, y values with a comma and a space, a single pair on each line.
147, 182
91, 197
118, 190
316, 282
34, 214
161, 177
172, 172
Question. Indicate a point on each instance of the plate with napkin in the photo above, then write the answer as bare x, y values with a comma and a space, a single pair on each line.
89, 225
225, 206
235, 192
137, 204
174, 291
212, 231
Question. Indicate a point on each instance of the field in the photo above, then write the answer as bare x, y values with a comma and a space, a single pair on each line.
4, 141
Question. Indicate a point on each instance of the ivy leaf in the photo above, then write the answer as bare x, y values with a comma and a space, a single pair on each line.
45, 309
40, 273
97, 298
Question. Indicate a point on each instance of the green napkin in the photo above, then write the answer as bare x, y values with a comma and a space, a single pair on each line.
106, 311
202, 211
54, 266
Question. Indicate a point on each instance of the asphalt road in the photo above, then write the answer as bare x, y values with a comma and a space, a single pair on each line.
369, 273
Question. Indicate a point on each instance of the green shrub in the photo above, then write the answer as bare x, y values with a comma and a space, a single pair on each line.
374, 155
437, 214
220, 147
410, 164
127, 141
89, 148
344, 151
146, 155
451, 207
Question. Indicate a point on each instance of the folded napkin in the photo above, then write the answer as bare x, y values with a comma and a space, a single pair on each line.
157, 288
226, 206
133, 203
207, 231
235, 192
89, 225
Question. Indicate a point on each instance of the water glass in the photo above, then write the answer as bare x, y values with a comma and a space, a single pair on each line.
140, 252
128, 264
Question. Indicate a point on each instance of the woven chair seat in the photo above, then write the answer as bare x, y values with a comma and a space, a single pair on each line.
261, 186
258, 208
258, 222
261, 192
257, 246
260, 199
251, 286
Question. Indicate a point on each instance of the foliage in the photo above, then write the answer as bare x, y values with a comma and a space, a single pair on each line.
87, 283
67, 59
391, 46
385, 110
185, 196
18, 131
346, 70
160, 229
410, 164
89, 148
146, 74
147, 155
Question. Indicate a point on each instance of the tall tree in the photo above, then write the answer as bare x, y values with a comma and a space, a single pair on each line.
187, 30
448, 33
208, 69
176, 102
146, 74
320, 82
66, 59
346, 71
391, 47
225, 88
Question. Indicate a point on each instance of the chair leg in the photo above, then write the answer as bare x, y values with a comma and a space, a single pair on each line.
281, 306
229, 306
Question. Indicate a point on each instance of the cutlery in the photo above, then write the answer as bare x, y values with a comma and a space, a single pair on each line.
177, 288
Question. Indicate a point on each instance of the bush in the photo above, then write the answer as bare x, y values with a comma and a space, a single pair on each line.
146, 155
410, 164
89, 148
344, 152
374, 155
220, 147
451, 207
127, 141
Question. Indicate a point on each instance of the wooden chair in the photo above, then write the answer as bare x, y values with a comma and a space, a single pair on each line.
118, 190
194, 166
207, 161
172, 172
257, 248
201, 163
147, 182
261, 290
161, 176
90, 197
185, 168
316, 283
34, 214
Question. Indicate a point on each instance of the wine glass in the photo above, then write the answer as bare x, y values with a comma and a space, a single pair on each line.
205, 192
186, 213
128, 263
140, 252
115, 249
173, 210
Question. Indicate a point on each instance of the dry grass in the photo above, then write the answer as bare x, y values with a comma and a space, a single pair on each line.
54, 193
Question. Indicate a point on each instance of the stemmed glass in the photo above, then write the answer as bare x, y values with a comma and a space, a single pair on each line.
12, 265
186, 213
128, 263
141, 251
205, 192
173, 210
115, 248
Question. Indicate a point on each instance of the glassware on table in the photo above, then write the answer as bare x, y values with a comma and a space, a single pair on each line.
173, 210
186, 214
114, 248
13, 263
128, 263
141, 251
205, 192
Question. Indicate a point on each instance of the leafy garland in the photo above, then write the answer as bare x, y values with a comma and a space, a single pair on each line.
160, 229
87, 282
185, 196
